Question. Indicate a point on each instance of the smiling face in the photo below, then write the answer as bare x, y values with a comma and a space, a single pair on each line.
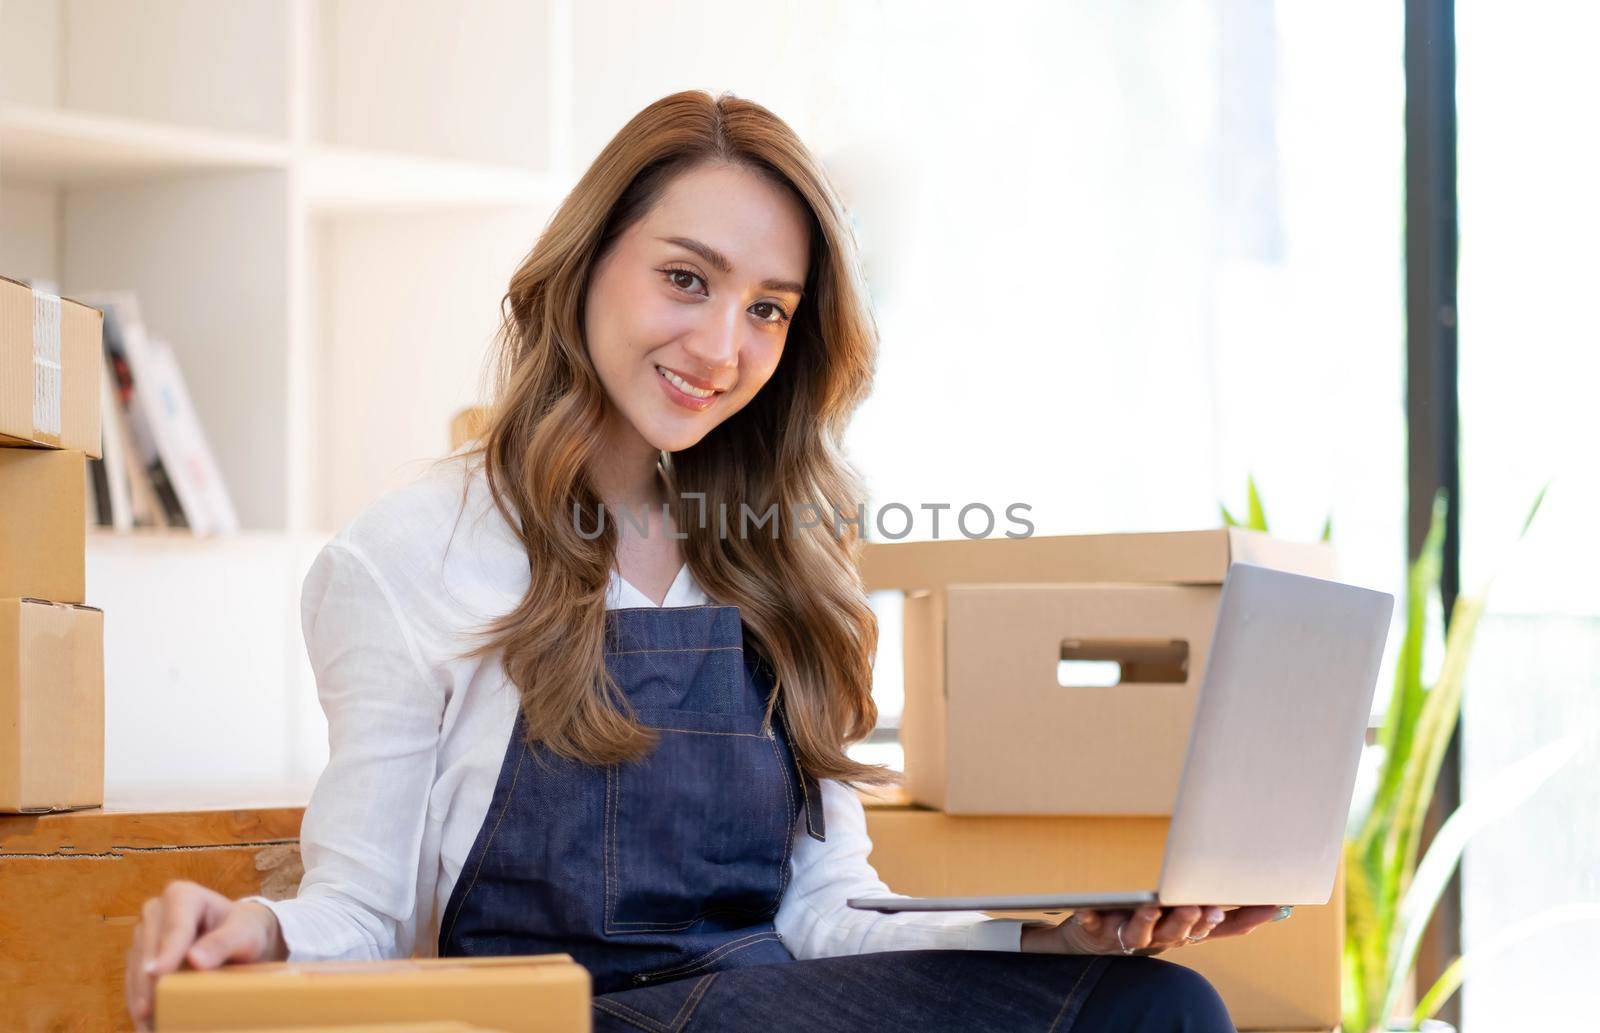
687, 313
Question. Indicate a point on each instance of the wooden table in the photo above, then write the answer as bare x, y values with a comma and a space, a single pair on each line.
72, 885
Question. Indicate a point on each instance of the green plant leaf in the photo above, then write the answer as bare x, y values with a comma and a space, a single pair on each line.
1375, 847
1258, 515
1457, 971
1533, 511
1228, 519
1508, 791
1364, 941
1327, 528
1405, 699
1383, 879
1435, 725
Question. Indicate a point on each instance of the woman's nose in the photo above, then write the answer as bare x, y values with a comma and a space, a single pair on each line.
715, 345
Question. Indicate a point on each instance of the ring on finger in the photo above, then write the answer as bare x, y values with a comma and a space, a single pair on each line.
1125, 948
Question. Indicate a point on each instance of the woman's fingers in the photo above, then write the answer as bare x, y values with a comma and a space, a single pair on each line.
1139, 932
1151, 929
1243, 919
1097, 929
130, 961
140, 981
184, 908
1175, 925
168, 926
237, 938
1206, 920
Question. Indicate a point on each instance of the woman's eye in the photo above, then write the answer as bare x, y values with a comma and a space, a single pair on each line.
676, 277
779, 315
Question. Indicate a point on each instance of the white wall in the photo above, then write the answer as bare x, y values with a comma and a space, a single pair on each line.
408, 306
194, 62
207, 681
464, 81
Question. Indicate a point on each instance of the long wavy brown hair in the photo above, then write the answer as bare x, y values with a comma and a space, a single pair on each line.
799, 593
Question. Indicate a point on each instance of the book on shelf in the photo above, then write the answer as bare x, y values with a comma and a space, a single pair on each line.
171, 475
144, 506
109, 490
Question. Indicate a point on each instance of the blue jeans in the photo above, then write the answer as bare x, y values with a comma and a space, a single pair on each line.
928, 991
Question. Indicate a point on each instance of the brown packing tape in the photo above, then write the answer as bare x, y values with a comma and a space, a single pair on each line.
51, 368
46, 367
54, 688
1281, 976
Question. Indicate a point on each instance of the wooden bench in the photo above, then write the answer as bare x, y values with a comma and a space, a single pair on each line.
72, 884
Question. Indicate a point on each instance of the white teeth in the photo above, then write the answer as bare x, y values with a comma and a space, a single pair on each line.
683, 385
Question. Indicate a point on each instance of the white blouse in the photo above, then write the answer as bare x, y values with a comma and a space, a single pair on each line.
416, 738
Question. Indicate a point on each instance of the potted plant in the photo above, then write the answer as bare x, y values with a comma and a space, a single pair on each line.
1389, 895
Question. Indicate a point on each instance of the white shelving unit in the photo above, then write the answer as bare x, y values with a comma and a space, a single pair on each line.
308, 197
319, 205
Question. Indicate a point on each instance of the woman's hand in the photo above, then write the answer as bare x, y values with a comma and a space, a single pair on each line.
1149, 930
195, 927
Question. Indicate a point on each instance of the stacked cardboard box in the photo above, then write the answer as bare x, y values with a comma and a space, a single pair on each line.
52, 690
1021, 778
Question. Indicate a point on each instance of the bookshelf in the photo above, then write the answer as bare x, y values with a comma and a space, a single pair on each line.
317, 203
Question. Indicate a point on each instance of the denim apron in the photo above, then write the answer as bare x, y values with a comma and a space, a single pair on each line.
656, 870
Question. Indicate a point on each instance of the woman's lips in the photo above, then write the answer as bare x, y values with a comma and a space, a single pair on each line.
688, 401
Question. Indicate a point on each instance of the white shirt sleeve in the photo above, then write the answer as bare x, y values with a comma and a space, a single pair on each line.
815, 921
361, 836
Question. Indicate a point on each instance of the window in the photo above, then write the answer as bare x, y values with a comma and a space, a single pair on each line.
1124, 257
1529, 363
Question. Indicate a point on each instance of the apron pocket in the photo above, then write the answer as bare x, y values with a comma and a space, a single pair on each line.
701, 827
722, 955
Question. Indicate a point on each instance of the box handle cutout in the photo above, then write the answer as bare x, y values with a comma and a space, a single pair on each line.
1098, 663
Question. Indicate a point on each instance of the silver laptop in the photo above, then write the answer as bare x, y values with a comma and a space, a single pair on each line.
1271, 765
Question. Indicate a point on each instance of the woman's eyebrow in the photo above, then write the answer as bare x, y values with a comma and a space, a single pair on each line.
720, 262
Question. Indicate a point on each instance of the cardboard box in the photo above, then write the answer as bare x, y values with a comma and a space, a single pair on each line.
542, 993
999, 719
375, 1027
52, 706
43, 532
989, 729
1281, 976
51, 368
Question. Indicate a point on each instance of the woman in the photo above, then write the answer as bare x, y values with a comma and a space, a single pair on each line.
673, 806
